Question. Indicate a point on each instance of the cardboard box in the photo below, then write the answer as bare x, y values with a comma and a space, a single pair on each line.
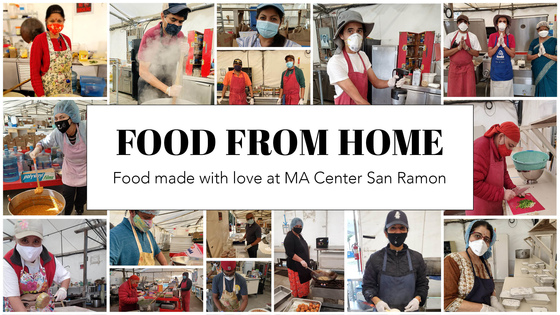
300, 36
46, 174
225, 39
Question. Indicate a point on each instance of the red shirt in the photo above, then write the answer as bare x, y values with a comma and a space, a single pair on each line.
152, 39
40, 60
483, 148
493, 39
128, 297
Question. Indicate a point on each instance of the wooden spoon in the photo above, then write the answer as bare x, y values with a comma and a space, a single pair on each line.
39, 189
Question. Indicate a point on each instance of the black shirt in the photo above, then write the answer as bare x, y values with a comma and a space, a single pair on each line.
253, 232
188, 284
297, 246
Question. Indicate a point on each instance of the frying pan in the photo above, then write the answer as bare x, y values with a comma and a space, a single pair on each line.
329, 274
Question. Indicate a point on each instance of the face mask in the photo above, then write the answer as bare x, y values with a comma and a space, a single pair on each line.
229, 278
397, 239
503, 150
478, 247
134, 285
184, 277
237, 67
289, 64
172, 29
29, 253
298, 230
143, 225
502, 26
250, 221
543, 33
354, 42
267, 29
62, 125
463, 27
55, 28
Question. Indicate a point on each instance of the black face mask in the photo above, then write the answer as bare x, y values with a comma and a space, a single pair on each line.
397, 239
298, 230
172, 29
62, 125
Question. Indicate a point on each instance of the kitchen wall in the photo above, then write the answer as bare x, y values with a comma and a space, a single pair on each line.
96, 265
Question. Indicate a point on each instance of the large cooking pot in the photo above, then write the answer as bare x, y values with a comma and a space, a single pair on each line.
522, 253
28, 198
168, 101
96, 302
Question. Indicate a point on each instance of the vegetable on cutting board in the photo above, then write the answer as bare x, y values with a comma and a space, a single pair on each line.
525, 204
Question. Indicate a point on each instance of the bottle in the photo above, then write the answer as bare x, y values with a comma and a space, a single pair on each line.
44, 161
57, 162
11, 173
29, 161
19, 156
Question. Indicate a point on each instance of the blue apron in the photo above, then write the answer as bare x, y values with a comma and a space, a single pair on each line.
482, 288
397, 292
500, 68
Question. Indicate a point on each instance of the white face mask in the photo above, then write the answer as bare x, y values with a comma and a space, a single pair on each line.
463, 27
502, 26
29, 253
478, 247
354, 42
229, 278
543, 33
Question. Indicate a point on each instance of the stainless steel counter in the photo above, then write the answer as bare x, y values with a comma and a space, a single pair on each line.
198, 90
425, 89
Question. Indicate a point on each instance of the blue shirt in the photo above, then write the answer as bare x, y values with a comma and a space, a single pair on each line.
218, 285
124, 250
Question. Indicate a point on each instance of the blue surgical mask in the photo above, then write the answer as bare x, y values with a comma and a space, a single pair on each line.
289, 64
184, 277
267, 29
172, 29
237, 67
250, 221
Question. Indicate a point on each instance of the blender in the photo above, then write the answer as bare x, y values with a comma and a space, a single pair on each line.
398, 95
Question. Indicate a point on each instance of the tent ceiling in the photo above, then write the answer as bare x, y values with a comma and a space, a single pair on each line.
42, 107
133, 10
170, 220
265, 215
495, 6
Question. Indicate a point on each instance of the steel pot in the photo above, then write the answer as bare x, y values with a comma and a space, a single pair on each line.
522, 253
96, 303
26, 196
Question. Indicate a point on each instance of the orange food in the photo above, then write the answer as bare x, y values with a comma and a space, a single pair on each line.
40, 205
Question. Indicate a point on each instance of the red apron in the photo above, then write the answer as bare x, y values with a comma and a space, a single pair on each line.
360, 81
291, 88
186, 299
237, 95
462, 80
495, 177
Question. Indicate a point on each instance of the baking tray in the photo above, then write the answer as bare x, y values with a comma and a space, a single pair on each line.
292, 306
281, 295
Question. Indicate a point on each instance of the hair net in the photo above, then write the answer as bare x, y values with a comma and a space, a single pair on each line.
153, 212
69, 108
296, 221
488, 253
542, 23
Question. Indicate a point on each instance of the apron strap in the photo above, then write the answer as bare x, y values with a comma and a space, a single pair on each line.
409, 260
483, 262
224, 283
384, 260
136, 237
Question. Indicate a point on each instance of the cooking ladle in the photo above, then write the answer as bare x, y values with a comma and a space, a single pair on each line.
39, 189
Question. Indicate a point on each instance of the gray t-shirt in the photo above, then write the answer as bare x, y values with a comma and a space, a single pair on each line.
218, 285
253, 232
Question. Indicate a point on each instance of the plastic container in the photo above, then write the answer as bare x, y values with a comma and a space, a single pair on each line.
20, 159
511, 304
11, 173
57, 162
536, 309
74, 81
521, 292
416, 77
506, 295
13, 10
92, 86
545, 290
538, 299
44, 161
83, 55
529, 160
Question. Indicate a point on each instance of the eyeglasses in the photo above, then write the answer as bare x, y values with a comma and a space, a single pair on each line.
479, 236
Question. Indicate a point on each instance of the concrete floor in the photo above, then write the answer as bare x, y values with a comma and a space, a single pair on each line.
195, 305
124, 99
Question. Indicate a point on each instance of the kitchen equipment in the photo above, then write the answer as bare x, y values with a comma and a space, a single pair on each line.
323, 275
383, 60
522, 253
322, 242
96, 302
398, 95
10, 167
92, 86
529, 160
531, 177
513, 204
292, 306
523, 29
28, 198
281, 295
167, 101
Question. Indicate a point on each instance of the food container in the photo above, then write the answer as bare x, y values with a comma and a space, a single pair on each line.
292, 306
534, 266
539, 309
521, 292
511, 304
47, 199
92, 86
524, 270
522, 253
281, 295
529, 160
546, 281
538, 298
506, 295
545, 290
532, 271
525, 263
258, 310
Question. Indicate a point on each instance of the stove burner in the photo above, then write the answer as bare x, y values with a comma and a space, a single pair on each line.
335, 284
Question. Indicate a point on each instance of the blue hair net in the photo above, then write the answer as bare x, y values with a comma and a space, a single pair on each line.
153, 212
488, 253
69, 108
296, 221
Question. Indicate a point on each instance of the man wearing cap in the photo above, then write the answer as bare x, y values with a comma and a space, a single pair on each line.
501, 48
492, 184
349, 69
292, 84
236, 80
30, 269
269, 18
132, 243
128, 295
461, 46
160, 50
229, 288
252, 235
395, 276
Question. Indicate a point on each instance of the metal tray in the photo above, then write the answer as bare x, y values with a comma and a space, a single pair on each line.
281, 295
295, 302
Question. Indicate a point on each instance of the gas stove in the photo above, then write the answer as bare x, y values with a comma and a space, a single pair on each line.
330, 293
335, 284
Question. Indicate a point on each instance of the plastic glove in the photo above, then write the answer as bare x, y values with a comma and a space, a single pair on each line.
303, 263
400, 83
501, 40
300, 101
61, 294
220, 100
382, 306
279, 101
496, 304
252, 101
509, 194
174, 90
412, 306
520, 191
392, 81
487, 308
248, 246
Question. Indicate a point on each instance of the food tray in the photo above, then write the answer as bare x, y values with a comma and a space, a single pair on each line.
281, 295
538, 298
539, 309
521, 292
506, 295
524, 270
258, 310
292, 306
545, 290
511, 304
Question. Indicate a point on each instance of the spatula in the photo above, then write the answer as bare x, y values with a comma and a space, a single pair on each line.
39, 189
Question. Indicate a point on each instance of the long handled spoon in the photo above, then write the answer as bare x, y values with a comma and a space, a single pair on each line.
39, 189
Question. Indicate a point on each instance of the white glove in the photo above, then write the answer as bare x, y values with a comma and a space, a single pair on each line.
501, 41
392, 81
382, 306
252, 101
220, 100
495, 303
460, 46
303, 263
248, 246
400, 83
300, 101
412, 306
141, 298
61, 294
487, 308
279, 101
174, 90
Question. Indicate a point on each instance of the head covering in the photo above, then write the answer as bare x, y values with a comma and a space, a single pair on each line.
228, 265
185, 274
25, 227
539, 25
296, 221
175, 8
396, 217
152, 212
276, 5
488, 253
508, 18
463, 17
345, 18
69, 108
508, 128
134, 277
238, 61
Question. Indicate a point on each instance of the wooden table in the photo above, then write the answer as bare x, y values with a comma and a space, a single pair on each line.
513, 282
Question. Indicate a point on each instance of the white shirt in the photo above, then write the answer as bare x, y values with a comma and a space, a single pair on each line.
475, 44
337, 68
11, 279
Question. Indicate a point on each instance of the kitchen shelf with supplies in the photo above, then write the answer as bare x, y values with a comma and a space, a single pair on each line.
416, 50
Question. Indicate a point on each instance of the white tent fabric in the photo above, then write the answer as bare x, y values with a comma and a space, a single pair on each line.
488, 16
168, 220
40, 107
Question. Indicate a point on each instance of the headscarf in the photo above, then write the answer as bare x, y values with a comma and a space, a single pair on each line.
296, 221
508, 128
488, 253
134, 277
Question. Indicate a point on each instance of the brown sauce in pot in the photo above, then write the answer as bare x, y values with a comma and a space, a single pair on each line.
40, 205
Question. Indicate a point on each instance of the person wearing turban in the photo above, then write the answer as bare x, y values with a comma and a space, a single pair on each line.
492, 184
128, 295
